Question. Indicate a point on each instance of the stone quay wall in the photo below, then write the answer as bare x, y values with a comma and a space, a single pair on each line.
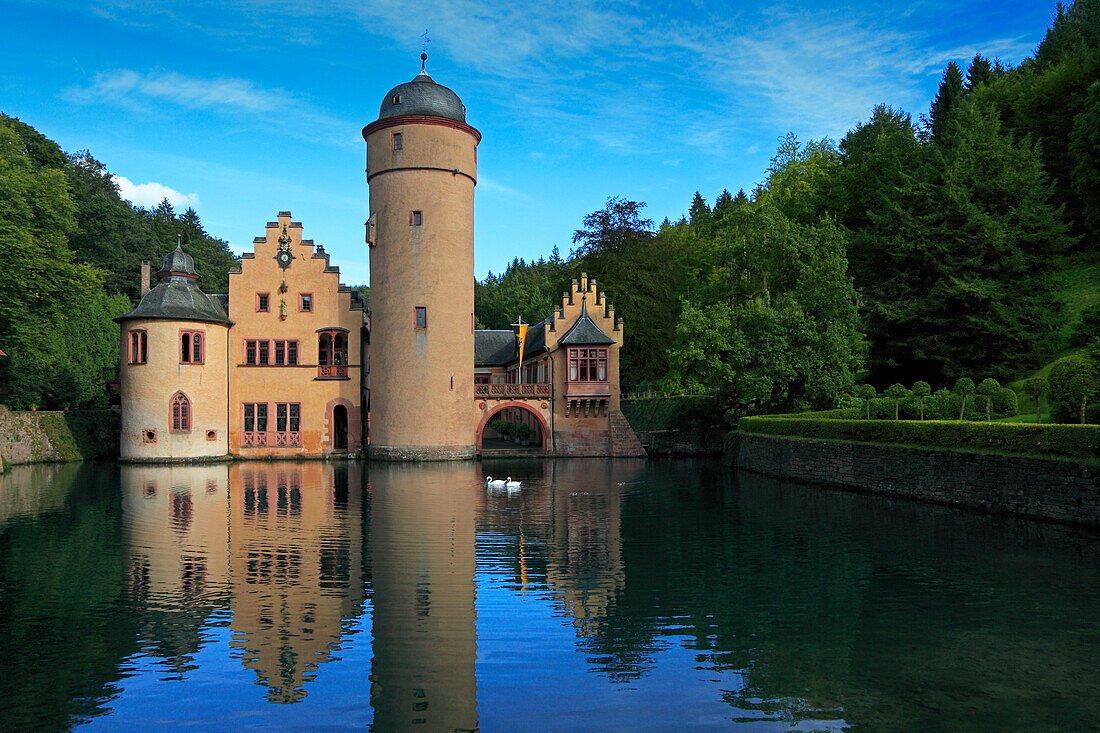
50, 437
1059, 490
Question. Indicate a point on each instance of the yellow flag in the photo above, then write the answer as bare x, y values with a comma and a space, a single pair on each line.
522, 338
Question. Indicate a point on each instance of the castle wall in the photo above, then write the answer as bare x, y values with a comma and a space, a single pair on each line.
318, 391
422, 383
148, 389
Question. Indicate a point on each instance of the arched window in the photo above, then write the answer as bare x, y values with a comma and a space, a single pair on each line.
332, 354
181, 412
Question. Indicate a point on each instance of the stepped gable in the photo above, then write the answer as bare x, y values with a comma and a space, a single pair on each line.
177, 296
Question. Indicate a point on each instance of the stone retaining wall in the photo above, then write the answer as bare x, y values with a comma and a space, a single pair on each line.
420, 453
1054, 489
44, 437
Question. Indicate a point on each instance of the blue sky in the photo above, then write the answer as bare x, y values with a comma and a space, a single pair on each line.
243, 109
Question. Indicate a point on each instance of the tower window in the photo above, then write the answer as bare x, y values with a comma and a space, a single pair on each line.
397, 141
305, 305
191, 347
397, 99
138, 343
415, 219
421, 316
181, 413
262, 300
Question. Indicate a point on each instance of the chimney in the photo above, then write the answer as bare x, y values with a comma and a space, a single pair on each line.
145, 275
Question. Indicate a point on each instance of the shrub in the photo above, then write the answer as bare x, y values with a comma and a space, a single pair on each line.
1081, 442
1064, 407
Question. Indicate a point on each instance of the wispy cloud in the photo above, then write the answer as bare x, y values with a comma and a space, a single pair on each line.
150, 194
150, 92
124, 86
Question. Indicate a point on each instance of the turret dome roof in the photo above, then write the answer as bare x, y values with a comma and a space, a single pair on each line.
422, 96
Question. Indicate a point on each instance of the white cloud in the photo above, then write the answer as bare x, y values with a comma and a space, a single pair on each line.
147, 195
124, 85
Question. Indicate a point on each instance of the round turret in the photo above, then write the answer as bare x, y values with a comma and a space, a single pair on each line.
422, 169
175, 395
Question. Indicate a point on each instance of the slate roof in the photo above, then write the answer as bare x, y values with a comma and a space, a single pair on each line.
494, 348
177, 297
585, 331
422, 96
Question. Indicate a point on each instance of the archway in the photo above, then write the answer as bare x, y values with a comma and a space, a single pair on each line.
339, 427
518, 411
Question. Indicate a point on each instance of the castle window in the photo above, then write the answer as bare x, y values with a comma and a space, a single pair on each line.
138, 343
181, 413
264, 348
397, 100
415, 219
420, 317
288, 417
255, 417
305, 304
332, 348
397, 140
291, 353
587, 365
262, 301
249, 352
191, 347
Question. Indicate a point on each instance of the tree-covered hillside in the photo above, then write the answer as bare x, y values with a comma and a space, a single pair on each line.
70, 254
930, 249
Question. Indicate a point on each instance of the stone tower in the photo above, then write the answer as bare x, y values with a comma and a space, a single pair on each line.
422, 169
175, 395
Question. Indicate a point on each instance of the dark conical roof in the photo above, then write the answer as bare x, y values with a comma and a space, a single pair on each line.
422, 96
177, 296
177, 261
585, 331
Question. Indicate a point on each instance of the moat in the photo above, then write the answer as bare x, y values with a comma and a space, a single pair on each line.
601, 595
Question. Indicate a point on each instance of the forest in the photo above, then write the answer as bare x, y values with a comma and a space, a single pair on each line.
958, 246
952, 248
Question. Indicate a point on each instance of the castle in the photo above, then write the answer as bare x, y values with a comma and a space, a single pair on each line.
292, 363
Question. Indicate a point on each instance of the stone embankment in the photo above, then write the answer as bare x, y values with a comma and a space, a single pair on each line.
1061, 490
49, 437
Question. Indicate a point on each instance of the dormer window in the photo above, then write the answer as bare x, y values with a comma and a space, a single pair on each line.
397, 99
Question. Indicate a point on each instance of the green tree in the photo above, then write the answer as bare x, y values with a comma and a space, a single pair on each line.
1081, 387
896, 392
801, 179
867, 393
922, 390
1084, 147
943, 106
965, 388
980, 72
989, 388
1036, 387
1067, 397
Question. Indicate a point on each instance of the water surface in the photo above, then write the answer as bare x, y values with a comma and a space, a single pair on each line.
603, 595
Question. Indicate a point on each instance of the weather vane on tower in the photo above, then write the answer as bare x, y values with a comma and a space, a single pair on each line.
424, 50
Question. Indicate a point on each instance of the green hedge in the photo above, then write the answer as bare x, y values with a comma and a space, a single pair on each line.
1070, 441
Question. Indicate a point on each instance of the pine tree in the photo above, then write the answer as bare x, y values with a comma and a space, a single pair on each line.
980, 72
950, 91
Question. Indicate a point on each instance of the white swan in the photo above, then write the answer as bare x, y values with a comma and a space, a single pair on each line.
490, 481
509, 483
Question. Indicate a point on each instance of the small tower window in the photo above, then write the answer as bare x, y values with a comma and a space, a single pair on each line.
420, 316
415, 219
397, 99
181, 413
138, 343
262, 302
306, 303
397, 141
191, 347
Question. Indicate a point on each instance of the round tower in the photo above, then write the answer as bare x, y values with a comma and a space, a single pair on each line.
175, 388
422, 169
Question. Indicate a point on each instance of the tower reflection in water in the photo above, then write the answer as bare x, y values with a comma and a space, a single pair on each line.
290, 552
422, 534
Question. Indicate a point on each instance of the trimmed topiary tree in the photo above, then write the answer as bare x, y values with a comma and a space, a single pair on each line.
1007, 403
896, 392
1081, 387
1064, 402
867, 392
989, 388
965, 388
922, 390
1036, 387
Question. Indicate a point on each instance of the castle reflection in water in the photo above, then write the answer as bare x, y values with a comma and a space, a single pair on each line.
294, 556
